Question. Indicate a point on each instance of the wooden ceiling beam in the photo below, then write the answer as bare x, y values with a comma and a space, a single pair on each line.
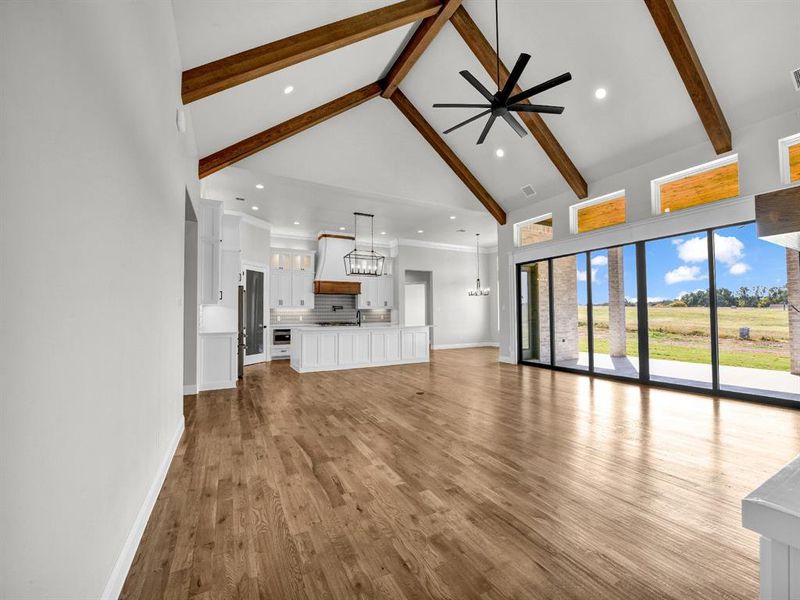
419, 42
486, 55
670, 25
434, 139
255, 143
234, 70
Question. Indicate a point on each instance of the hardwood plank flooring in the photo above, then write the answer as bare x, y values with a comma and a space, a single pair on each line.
459, 479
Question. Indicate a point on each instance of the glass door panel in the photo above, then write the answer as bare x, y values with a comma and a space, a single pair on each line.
613, 280
570, 281
254, 313
756, 314
678, 313
534, 313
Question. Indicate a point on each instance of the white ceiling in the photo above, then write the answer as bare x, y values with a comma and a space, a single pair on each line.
372, 155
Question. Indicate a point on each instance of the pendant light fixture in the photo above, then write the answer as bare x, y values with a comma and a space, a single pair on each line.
478, 291
361, 262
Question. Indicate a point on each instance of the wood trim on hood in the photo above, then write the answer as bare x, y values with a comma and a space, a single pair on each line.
337, 287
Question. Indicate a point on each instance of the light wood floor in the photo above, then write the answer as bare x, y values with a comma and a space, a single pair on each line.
460, 479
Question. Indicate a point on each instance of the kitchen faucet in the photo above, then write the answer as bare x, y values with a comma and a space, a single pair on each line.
358, 318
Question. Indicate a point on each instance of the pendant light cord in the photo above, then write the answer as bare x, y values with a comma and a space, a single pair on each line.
497, 41
478, 255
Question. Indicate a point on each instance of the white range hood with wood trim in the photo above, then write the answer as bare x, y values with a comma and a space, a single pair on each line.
330, 277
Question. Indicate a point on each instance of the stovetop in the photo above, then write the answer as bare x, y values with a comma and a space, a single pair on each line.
337, 324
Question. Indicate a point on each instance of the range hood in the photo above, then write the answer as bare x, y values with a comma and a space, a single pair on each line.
778, 217
330, 277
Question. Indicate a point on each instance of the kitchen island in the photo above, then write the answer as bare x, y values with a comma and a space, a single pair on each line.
354, 347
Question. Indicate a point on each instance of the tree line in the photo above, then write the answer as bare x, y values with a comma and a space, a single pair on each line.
758, 296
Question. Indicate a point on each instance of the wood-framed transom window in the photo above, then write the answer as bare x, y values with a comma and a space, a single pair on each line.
703, 184
598, 213
789, 149
533, 231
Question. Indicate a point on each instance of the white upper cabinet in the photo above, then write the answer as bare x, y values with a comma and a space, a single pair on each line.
291, 279
376, 292
210, 226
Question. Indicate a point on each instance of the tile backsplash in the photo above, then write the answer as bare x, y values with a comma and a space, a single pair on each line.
324, 311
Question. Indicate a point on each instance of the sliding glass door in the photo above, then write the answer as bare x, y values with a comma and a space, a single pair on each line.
678, 310
715, 310
534, 311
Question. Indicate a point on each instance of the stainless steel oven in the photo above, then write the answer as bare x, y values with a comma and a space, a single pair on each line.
281, 337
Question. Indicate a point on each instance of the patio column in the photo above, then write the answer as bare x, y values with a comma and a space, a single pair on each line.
616, 303
544, 313
793, 288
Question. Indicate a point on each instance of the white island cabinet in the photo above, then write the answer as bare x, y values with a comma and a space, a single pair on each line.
334, 348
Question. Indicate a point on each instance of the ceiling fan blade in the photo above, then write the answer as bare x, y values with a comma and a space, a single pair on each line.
537, 108
470, 120
477, 85
509, 118
513, 78
542, 87
486, 128
449, 105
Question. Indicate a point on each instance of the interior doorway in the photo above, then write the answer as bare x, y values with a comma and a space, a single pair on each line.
190, 304
418, 299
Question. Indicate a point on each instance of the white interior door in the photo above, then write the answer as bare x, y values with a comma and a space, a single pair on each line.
255, 287
415, 304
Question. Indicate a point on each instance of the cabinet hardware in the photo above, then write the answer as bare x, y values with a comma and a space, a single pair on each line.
220, 294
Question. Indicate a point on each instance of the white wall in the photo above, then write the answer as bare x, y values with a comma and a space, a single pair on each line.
759, 171
255, 242
457, 317
92, 178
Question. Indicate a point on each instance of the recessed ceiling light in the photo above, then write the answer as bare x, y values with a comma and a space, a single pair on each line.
452, 217
600, 93
341, 228
420, 231
297, 222
259, 186
288, 89
383, 233
254, 207
499, 153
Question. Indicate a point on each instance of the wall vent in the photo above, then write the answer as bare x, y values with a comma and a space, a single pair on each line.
796, 79
528, 191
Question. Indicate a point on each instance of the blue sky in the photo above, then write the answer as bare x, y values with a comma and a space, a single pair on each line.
678, 265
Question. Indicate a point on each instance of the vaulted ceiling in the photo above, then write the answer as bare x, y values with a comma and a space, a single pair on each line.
746, 48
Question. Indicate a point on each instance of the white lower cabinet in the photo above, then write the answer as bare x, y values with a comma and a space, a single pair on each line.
354, 348
320, 350
217, 361
386, 346
415, 345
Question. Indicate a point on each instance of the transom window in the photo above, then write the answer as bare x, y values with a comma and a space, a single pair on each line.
710, 182
598, 213
533, 231
790, 158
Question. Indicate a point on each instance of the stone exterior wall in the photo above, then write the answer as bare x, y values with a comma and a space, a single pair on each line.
616, 303
793, 285
544, 313
565, 295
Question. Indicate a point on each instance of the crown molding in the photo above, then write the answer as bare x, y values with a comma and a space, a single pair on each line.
443, 246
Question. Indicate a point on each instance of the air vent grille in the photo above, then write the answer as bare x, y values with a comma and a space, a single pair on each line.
796, 79
528, 191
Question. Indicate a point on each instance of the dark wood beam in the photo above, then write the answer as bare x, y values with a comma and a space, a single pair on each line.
459, 168
255, 143
239, 68
423, 36
486, 55
670, 26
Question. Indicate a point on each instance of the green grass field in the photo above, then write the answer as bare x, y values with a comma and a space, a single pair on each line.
683, 334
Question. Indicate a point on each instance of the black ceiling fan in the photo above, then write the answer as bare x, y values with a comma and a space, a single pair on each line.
502, 103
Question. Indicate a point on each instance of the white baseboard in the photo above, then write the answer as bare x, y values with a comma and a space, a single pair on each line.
117, 578
506, 359
189, 390
467, 345
217, 385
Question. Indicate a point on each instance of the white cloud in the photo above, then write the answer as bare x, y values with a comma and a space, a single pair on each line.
582, 275
655, 299
739, 268
683, 273
728, 250
693, 250
678, 241
599, 261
